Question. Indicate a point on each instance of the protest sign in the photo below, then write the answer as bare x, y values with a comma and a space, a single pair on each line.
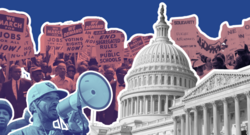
127, 53
184, 33
53, 37
109, 47
12, 32
146, 39
27, 47
246, 29
83, 56
135, 45
90, 26
73, 38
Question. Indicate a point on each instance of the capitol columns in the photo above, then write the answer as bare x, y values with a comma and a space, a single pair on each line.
215, 118
225, 110
205, 118
248, 111
152, 104
131, 105
237, 114
175, 125
182, 125
195, 120
138, 105
166, 104
187, 113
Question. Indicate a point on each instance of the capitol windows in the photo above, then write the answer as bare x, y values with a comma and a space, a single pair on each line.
162, 105
150, 80
144, 80
185, 83
139, 83
169, 80
175, 81
156, 79
156, 105
162, 79
180, 81
135, 82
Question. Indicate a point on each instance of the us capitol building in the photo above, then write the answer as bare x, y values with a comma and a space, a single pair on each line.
162, 97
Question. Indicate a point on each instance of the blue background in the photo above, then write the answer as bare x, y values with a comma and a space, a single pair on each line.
131, 16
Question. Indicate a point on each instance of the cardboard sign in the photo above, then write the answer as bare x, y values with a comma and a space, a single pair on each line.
135, 45
90, 26
53, 37
73, 38
83, 56
127, 53
27, 47
109, 47
184, 33
12, 32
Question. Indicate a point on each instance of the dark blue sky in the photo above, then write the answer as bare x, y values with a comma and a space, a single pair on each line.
131, 16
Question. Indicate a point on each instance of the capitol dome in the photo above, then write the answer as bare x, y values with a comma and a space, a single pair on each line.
160, 74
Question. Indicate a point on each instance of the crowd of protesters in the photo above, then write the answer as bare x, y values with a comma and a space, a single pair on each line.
64, 73
204, 64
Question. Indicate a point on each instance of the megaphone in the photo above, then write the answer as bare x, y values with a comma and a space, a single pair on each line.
93, 90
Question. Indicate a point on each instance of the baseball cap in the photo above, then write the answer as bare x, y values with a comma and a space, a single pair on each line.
42, 88
5, 105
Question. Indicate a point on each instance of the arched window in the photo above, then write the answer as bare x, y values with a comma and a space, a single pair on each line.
175, 81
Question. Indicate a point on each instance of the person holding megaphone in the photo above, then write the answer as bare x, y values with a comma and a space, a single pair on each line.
42, 100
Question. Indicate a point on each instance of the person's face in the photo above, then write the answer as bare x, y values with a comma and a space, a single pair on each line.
4, 118
120, 75
16, 73
109, 74
48, 105
37, 76
61, 70
71, 72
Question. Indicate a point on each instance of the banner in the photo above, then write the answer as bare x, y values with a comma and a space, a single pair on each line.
73, 38
12, 32
27, 47
90, 26
109, 47
53, 37
246, 29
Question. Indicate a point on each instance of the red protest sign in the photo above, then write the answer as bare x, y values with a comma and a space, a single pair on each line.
12, 32
53, 37
28, 50
109, 47
73, 38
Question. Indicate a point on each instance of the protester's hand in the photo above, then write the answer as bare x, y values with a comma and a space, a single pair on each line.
77, 123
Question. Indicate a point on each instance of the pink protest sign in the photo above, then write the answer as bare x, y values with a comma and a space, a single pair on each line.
27, 47
127, 53
90, 26
53, 37
12, 32
184, 33
73, 38
137, 43
109, 47
246, 29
